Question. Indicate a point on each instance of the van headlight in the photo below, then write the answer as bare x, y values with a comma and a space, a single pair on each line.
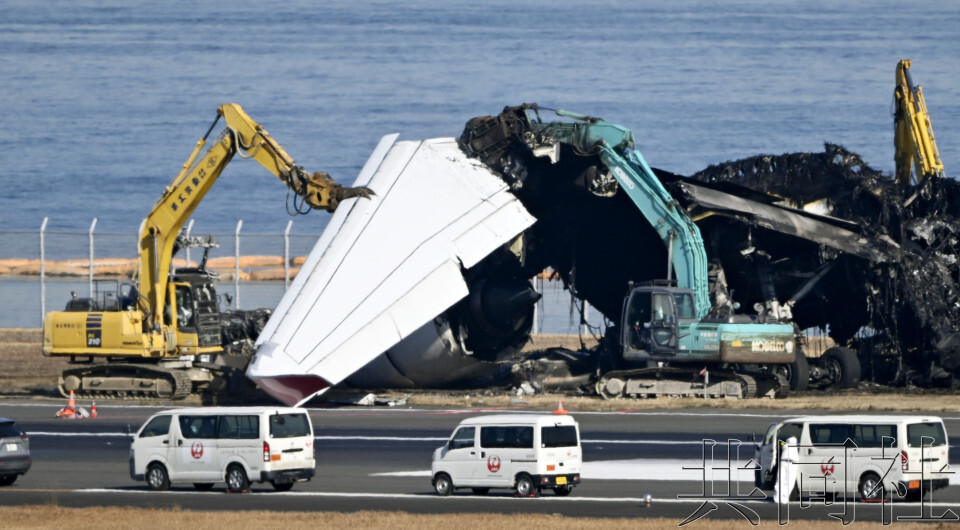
788, 346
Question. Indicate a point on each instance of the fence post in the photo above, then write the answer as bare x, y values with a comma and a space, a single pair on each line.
93, 225
189, 228
535, 328
286, 255
43, 273
236, 271
585, 326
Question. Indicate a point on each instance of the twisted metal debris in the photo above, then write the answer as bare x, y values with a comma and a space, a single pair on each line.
902, 312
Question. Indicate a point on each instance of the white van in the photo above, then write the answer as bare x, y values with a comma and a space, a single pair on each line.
867, 455
236, 445
523, 452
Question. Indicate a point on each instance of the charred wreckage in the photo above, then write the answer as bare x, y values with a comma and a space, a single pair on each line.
809, 243
817, 239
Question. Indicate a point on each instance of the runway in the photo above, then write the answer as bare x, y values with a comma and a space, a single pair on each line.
379, 459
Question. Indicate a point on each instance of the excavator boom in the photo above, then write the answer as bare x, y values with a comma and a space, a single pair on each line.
916, 148
158, 326
248, 139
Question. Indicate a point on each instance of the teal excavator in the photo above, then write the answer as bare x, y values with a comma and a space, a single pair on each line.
668, 330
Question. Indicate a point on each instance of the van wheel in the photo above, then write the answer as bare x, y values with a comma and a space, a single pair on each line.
157, 478
442, 484
282, 486
525, 486
237, 479
203, 486
871, 489
480, 491
563, 491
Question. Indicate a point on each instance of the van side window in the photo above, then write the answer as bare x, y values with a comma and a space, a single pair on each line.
873, 435
158, 426
926, 434
289, 426
463, 438
239, 427
524, 438
198, 426
830, 433
506, 437
558, 436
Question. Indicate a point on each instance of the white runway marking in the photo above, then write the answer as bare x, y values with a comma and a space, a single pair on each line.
435, 439
711, 413
638, 469
76, 434
477, 498
653, 469
444, 439
684, 470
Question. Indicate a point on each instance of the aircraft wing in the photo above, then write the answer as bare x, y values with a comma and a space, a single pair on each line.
385, 266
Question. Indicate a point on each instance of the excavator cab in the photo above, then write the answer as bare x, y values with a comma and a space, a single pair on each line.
186, 308
106, 296
652, 322
192, 309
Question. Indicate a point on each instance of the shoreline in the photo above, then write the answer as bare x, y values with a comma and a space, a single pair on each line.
251, 268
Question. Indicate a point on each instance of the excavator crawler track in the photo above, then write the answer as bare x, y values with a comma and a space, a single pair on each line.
680, 382
125, 381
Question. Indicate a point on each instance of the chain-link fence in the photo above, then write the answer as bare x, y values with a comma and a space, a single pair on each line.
41, 269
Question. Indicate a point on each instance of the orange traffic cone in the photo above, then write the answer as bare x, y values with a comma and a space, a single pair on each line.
93, 410
71, 409
560, 409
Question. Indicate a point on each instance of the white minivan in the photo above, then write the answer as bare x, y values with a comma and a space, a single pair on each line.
867, 455
523, 452
236, 445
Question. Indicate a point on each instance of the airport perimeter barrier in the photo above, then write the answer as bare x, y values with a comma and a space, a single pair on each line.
54, 257
45, 255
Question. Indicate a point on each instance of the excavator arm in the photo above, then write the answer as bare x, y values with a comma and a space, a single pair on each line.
685, 250
915, 145
248, 139
317, 190
489, 140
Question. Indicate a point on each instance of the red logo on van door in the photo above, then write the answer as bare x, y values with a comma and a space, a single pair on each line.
493, 463
827, 469
196, 450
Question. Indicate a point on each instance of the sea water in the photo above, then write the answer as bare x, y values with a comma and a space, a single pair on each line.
103, 100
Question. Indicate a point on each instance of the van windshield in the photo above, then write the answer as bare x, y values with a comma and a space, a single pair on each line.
768, 437
928, 434
558, 436
289, 426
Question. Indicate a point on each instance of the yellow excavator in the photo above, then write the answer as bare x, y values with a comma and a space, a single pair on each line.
916, 148
160, 334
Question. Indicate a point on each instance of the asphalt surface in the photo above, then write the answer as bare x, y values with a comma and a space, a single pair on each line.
379, 459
